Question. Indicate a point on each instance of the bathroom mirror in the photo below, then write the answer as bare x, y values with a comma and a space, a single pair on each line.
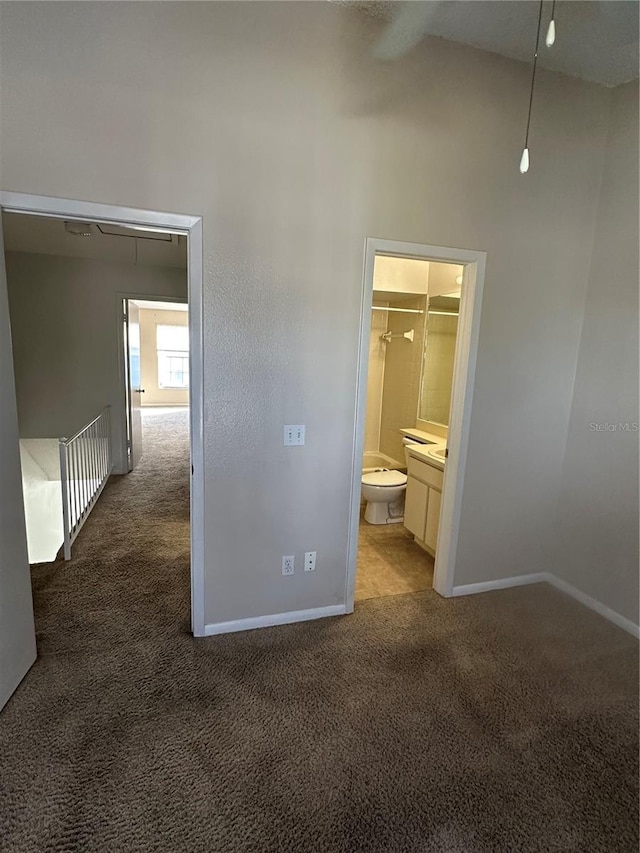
437, 360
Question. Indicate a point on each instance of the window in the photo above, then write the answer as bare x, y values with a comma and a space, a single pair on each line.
172, 344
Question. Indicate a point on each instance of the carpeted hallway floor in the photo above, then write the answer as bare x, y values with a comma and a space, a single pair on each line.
498, 722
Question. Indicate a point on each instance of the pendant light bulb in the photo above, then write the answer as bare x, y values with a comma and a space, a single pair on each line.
551, 33
524, 161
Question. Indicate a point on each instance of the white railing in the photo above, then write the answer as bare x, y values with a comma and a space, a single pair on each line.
85, 466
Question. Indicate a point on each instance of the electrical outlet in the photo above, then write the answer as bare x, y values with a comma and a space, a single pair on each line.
310, 561
288, 565
293, 435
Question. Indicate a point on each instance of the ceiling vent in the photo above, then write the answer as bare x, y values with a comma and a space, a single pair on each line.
138, 231
78, 229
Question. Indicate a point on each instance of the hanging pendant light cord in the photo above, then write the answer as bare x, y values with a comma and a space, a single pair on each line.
533, 75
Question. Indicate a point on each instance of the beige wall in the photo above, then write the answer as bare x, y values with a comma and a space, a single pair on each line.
65, 314
402, 369
153, 394
375, 381
312, 147
597, 514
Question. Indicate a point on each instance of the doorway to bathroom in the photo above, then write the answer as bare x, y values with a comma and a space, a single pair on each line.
418, 334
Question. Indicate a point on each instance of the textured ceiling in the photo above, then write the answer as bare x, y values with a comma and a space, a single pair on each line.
596, 40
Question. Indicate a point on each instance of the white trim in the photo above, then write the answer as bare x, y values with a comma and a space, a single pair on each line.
274, 619
597, 606
60, 208
359, 422
458, 435
558, 583
464, 369
195, 294
502, 583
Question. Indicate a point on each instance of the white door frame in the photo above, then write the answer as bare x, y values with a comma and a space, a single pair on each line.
474, 263
191, 227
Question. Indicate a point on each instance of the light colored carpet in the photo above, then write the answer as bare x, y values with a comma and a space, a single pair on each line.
499, 722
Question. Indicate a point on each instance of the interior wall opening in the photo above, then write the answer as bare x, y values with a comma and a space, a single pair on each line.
412, 342
421, 435
100, 338
155, 336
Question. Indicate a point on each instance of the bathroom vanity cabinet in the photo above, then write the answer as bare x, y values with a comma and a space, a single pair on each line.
422, 502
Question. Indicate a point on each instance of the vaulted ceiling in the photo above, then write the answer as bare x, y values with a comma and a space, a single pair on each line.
597, 40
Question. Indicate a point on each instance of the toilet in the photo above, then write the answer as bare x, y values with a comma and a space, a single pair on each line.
383, 490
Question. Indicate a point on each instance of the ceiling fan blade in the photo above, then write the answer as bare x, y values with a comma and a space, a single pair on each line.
409, 25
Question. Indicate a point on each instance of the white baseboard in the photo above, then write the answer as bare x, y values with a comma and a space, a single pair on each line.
593, 604
503, 583
466, 589
558, 583
274, 619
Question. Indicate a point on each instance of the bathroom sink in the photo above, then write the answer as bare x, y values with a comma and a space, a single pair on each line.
439, 453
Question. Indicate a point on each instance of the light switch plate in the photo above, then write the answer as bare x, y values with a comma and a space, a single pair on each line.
293, 435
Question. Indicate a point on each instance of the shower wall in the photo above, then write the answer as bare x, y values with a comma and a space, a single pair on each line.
375, 381
401, 383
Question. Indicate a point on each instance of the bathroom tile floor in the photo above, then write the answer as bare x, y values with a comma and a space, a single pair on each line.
390, 562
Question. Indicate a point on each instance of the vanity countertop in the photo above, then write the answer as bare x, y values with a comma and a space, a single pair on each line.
420, 451
421, 435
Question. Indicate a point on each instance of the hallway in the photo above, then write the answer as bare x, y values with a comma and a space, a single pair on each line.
129, 573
